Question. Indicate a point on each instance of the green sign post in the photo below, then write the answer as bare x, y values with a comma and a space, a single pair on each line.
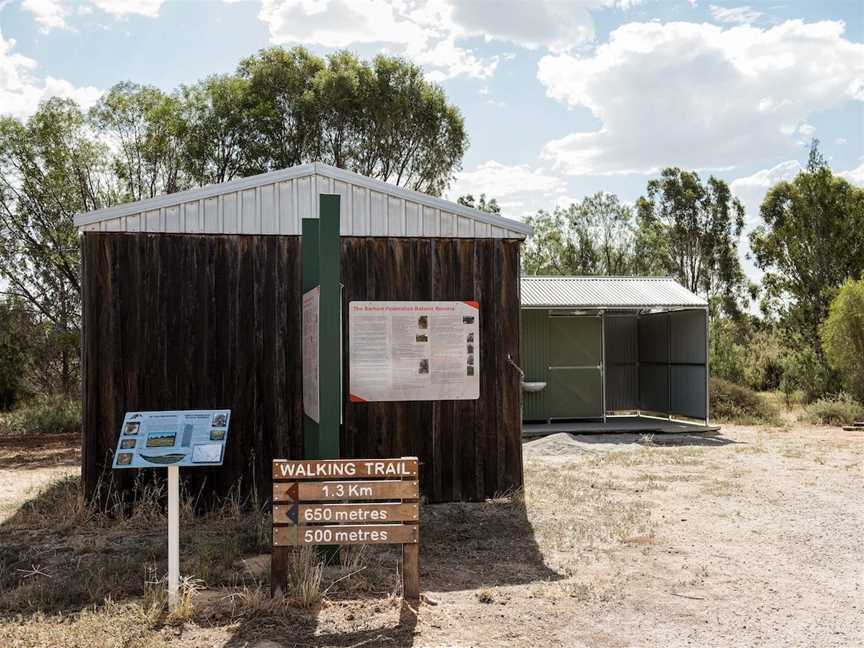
320, 249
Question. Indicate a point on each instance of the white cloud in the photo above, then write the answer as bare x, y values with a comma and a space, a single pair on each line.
698, 95
50, 14
841, 141
118, 8
742, 15
434, 32
855, 176
21, 89
519, 189
558, 26
751, 189
424, 32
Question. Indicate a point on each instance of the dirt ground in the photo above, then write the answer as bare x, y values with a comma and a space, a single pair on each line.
750, 537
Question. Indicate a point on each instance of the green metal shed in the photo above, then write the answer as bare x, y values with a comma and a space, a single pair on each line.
613, 350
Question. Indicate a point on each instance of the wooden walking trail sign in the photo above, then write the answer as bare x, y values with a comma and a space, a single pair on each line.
346, 502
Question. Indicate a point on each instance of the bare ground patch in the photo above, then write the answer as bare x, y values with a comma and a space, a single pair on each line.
751, 538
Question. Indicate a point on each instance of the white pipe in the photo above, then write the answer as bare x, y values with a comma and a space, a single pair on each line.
173, 535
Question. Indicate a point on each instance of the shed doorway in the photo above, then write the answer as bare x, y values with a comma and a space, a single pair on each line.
575, 366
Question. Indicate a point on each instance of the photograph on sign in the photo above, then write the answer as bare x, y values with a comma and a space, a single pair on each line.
311, 310
401, 351
172, 438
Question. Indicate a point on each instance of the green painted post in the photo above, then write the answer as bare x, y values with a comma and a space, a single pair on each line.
309, 256
330, 329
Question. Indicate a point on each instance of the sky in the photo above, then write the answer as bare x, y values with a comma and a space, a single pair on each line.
561, 98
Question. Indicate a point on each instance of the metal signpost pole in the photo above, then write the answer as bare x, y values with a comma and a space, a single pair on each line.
330, 331
173, 535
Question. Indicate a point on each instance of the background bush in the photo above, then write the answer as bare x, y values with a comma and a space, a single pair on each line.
737, 404
834, 410
43, 415
842, 336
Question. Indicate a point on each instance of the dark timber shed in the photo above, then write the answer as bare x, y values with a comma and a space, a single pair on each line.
604, 348
193, 301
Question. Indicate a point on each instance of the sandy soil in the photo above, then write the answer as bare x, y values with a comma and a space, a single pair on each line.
28, 464
751, 537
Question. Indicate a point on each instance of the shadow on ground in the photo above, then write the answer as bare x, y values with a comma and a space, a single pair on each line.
39, 451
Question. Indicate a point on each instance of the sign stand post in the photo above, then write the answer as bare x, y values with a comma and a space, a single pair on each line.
170, 439
173, 535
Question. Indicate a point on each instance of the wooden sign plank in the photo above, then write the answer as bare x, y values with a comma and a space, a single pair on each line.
345, 469
345, 490
344, 513
345, 535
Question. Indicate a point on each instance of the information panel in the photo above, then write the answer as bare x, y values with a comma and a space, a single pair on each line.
178, 438
426, 350
311, 310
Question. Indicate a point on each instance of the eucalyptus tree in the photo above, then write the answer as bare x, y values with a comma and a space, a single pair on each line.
810, 242
690, 229
51, 167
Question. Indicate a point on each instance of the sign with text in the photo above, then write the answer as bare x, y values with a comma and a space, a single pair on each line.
172, 438
348, 502
311, 372
424, 350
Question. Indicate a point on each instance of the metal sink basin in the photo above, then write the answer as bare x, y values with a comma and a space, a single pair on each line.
532, 387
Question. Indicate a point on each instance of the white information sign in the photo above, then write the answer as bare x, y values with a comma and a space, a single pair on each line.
311, 310
426, 350
172, 438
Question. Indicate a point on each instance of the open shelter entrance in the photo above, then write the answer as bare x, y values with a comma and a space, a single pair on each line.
613, 353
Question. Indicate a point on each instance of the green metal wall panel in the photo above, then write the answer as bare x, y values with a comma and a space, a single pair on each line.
564, 352
535, 361
574, 393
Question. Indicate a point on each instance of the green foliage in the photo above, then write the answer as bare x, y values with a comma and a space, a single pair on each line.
219, 140
490, 206
763, 369
691, 230
835, 410
728, 357
593, 237
50, 168
805, 371
43, 415
14, 346
148, 127
381, 119
811, 240
731, 402
842, 335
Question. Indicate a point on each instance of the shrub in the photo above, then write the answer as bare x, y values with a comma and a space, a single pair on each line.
835, 410
805, 371
764, 369
842, 336
728, 357
731, 402
43, 415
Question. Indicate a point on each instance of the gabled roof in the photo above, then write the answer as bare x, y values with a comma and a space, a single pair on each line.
606, 292
275, 203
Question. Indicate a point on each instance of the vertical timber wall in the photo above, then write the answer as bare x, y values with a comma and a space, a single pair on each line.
179, 321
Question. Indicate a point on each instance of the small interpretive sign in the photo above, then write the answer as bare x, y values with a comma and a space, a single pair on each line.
172, 438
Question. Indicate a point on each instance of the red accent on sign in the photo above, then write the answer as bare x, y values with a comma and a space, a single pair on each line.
473, 304
293, 492
357, 399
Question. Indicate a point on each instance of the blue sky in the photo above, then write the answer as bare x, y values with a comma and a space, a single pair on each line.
561, 99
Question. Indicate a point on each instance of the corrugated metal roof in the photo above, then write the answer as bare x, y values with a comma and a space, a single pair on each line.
275, 203
606, 292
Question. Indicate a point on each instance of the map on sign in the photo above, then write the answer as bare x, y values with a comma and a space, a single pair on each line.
172, 438
401, 351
